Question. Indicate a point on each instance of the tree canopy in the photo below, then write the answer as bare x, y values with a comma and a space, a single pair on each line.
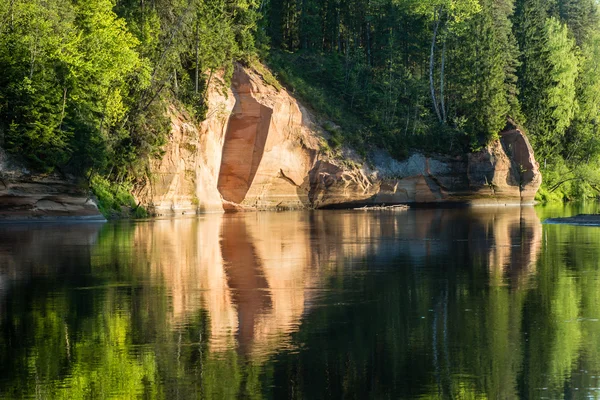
446, 75
86, 86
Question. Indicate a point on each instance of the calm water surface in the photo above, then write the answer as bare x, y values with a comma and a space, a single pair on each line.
426, 304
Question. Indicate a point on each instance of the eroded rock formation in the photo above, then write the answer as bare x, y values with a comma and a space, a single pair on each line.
25, 195
260, 149
506, 168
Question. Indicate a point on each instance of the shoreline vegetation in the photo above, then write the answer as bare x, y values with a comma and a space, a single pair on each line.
86, 86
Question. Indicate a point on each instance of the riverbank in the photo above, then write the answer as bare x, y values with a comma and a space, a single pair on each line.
260, 149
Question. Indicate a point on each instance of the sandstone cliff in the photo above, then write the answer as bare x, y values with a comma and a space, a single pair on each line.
260, 149
28, 196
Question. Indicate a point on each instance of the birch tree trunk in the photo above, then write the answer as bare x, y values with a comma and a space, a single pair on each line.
432, 66
442, 101
196, 77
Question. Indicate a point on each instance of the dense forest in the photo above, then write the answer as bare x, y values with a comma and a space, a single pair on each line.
85, 85
444, 75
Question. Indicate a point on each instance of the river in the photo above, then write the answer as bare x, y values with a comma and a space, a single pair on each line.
424, 304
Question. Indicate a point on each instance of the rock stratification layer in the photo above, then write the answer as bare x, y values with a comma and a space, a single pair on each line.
28, 196
260, 149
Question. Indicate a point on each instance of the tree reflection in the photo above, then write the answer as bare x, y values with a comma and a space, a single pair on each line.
433, 304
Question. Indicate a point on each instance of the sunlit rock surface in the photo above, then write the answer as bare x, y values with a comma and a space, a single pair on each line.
185, 180
259, 149
506, 169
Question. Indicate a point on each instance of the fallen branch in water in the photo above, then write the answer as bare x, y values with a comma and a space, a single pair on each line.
399, 207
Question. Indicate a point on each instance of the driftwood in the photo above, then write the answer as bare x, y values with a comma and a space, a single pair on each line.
400, 207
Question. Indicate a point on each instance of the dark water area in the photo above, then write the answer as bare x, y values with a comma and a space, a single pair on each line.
483, 303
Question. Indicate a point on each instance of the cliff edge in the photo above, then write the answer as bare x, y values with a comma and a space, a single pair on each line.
260, 149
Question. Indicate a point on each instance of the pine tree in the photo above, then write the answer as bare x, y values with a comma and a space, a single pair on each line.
530, 16
581, 16
491, 106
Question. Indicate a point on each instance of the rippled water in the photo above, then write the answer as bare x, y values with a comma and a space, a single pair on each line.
425, 304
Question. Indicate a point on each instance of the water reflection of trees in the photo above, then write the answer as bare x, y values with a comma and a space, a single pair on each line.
434, 303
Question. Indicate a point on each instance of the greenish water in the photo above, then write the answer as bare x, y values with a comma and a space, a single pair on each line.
426, 304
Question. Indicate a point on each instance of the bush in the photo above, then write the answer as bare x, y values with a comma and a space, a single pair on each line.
113, 197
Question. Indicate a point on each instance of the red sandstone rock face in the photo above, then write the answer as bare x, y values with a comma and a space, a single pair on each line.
260, 149
184, 181
254, 151
525, 168
244, 146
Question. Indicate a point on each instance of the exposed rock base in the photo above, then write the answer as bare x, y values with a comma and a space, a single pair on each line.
27, 196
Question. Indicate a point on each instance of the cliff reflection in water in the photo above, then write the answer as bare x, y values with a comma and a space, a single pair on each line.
250, 274
256, 274
271, 303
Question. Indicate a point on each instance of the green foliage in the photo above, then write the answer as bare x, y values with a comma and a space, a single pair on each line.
303, 83
112, 197
546, 196
566, 182
85, 85
563, 71
487, 72
364, 113
445, 75
67, 69
581, 16
265, 73
556, 101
